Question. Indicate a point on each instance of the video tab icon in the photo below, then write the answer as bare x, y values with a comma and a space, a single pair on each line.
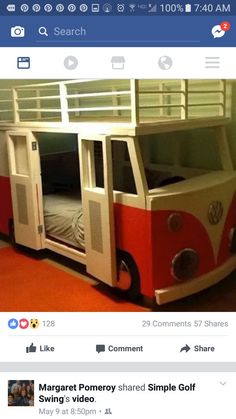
70, 62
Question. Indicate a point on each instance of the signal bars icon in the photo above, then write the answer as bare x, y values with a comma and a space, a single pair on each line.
153, 9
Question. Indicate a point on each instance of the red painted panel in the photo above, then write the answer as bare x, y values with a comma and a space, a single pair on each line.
145, 235
133, 234
167, 244
5, 204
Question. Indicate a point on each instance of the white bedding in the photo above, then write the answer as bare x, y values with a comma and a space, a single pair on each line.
63, 217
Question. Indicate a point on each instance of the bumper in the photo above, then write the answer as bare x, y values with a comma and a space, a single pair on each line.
184, 289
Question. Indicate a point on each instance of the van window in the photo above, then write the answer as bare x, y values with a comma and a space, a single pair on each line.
123, 176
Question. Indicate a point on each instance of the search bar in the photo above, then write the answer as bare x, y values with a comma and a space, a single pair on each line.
112, 31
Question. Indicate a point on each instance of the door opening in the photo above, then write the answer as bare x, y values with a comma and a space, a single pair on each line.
62, 204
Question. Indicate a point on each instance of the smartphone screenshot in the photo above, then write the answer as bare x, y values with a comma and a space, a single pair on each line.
117, 209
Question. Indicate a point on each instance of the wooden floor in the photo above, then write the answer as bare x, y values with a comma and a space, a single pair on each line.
221, 297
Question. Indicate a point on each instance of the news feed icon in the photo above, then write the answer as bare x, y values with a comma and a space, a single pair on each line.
21, 393
23, 63
17, 32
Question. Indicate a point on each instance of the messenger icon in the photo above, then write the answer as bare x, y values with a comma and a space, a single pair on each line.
217, 31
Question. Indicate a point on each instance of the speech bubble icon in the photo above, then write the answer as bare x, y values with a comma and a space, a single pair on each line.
217, 32
100, 348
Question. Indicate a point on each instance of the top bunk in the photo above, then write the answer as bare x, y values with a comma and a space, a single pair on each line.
116, 106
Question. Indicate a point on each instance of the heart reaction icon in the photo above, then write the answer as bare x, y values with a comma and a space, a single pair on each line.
23, 323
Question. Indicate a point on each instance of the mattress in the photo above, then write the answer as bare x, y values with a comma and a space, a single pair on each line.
63, 218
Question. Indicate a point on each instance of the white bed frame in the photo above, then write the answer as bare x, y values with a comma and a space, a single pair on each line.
25, 114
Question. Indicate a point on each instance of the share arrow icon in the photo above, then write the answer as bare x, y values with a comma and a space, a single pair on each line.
185, 348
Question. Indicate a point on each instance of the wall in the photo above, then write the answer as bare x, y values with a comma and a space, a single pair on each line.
231, 129
56, 143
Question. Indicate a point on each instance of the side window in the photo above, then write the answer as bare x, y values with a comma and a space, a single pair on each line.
123, 177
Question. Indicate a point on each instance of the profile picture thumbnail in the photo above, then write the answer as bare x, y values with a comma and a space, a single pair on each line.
20, 392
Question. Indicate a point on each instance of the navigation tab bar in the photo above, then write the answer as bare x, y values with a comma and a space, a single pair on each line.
123, 63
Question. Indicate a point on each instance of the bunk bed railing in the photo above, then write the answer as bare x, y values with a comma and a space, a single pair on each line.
6, 105
107, 101
186, 101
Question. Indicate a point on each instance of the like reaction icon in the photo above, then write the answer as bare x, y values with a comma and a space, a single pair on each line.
23, 323
13, 323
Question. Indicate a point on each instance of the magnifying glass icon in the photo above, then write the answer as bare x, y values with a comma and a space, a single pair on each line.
43, 31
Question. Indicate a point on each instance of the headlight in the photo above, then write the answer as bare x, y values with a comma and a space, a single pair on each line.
175, 222
185, 264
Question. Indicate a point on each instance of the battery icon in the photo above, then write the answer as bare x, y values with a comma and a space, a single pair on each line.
188, 8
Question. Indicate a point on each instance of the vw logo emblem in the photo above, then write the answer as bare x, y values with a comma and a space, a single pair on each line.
215, 212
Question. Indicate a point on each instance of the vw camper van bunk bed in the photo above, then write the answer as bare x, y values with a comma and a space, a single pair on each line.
109, 173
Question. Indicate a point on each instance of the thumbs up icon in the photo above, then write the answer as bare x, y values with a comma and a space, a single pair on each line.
31, 348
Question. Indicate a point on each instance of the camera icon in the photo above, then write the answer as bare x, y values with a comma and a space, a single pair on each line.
17, 32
